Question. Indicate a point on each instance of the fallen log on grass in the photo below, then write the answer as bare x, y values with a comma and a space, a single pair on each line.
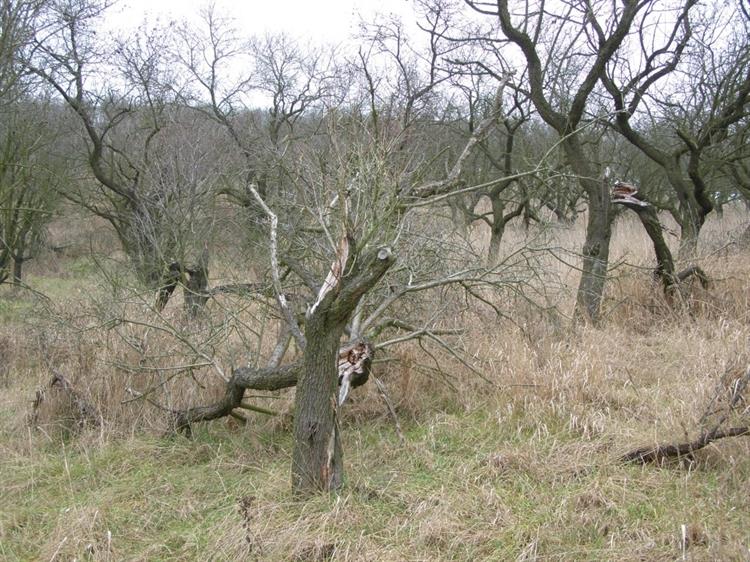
660, 453
731, 392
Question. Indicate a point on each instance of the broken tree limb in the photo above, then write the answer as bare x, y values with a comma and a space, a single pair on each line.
627, 195
239, 417
333, 278
354, 363
730, 392
660, 453
242, 379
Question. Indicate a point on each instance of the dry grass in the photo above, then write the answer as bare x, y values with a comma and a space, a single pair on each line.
522, 468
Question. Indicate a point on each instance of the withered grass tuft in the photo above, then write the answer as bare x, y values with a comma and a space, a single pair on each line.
521, 468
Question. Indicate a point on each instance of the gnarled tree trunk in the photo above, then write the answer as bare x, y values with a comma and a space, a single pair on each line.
665, 270
317, 461
598, 232
318, 457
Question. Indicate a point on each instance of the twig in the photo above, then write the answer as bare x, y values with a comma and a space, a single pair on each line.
259, 409
273, 243
384, 395
242, 419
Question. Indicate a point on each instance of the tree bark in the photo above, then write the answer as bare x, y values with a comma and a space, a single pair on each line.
691, 222
196, 287
317, 461
598, 232
20, 251
595, 259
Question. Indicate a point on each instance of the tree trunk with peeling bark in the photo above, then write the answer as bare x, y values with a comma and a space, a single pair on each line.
317, 461
318, 457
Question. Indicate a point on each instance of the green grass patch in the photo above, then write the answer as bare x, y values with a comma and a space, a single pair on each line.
462, 487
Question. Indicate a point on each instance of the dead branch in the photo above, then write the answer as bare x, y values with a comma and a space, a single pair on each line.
660, 453
244, 378
273, 247
258, 409
698, 273
477, 275
243, 289
453, 179
729, 394
354, 366
412, 331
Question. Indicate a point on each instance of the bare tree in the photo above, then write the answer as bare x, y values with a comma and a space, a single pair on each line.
30, 175
342, 176
27, 171
498, 156
567, 48
353, 197
149, 197
680, 125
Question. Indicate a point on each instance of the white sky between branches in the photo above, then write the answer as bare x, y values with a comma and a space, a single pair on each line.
324, 21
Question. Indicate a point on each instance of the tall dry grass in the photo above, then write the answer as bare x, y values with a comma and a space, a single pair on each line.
527, 451
117, 348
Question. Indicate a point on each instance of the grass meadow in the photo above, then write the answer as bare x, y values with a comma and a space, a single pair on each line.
521, 466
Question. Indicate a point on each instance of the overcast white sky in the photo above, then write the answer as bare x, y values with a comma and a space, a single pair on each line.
330, 21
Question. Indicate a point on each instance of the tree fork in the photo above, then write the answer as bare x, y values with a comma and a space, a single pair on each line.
317, 461
626, 195
242, 379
